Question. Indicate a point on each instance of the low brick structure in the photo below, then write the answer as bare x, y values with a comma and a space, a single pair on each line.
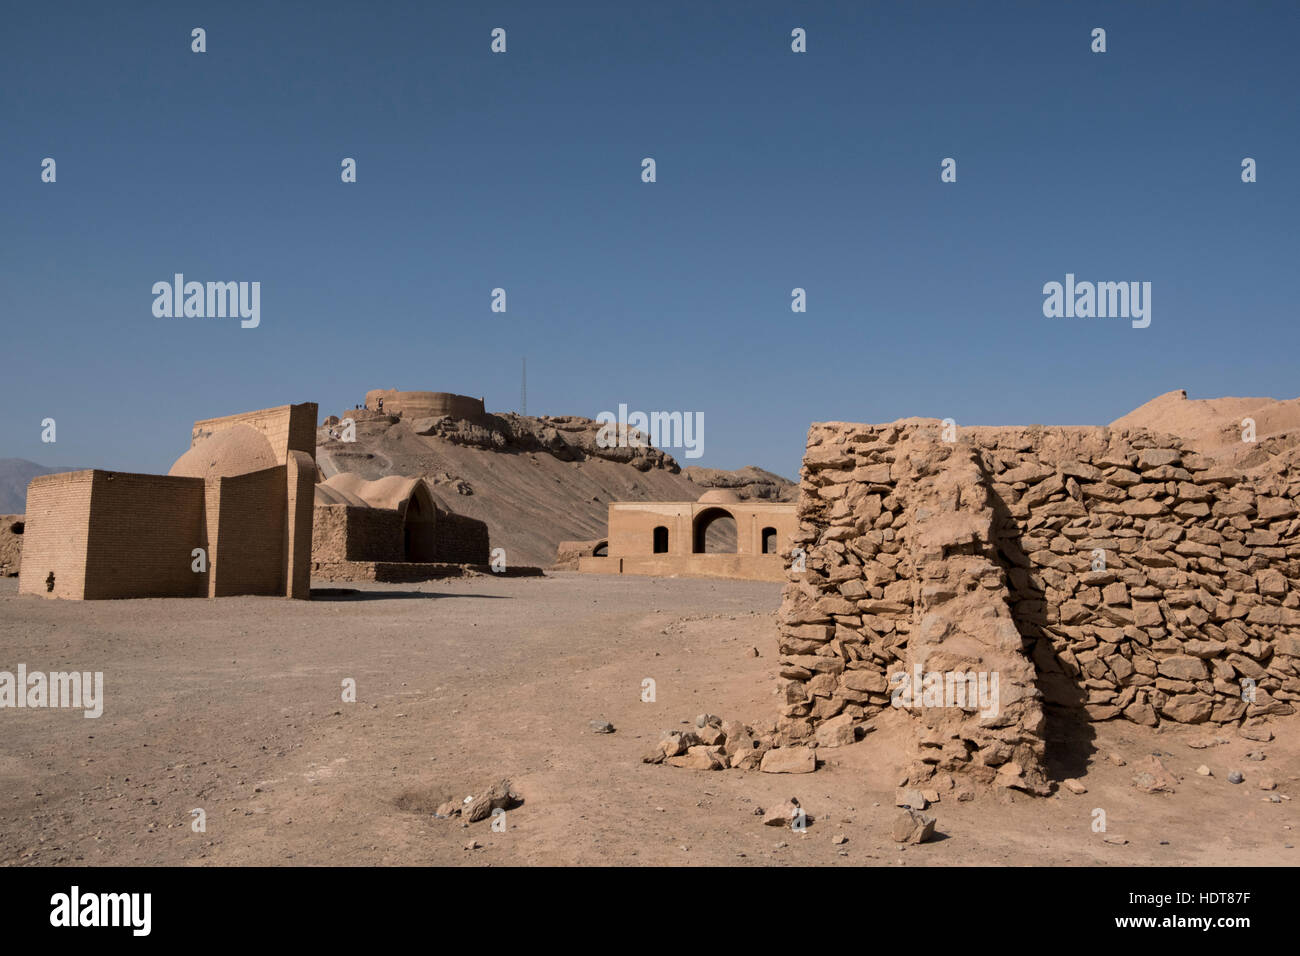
362, 527
1107, 574
670, 538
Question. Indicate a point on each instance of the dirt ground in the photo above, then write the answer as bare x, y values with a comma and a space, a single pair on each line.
234, 706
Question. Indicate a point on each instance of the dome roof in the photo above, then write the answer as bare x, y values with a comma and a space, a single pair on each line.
720, 496
238, 450
391, 491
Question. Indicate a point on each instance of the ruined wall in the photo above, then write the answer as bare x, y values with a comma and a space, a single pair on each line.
1197, 592
413, 405
12, 528
348, 533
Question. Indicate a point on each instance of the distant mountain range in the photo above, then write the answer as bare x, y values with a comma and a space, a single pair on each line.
15, 473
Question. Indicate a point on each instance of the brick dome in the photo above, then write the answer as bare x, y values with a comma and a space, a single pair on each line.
720, 496
229, 452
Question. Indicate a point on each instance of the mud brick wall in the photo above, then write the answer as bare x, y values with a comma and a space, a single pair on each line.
56, 533
461, 540
143, 531
1200, 588
112, 534
248, 552
346, 533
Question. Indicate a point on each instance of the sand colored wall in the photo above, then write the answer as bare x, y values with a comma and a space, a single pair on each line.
461, 540
343, 533
347, 533
248, 554
143, 530
1198, 594
411, 405
631, 537
286, 427
301, 497
56, 534
114, 535
746, 567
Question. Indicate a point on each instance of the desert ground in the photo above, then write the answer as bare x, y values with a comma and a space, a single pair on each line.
234, 706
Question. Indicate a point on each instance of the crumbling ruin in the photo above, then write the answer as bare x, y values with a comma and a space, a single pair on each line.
1101, 572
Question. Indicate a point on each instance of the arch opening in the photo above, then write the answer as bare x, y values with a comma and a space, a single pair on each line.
661, 540
419, 526
715, 532
769, 541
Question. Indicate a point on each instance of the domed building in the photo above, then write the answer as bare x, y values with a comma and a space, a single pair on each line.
232, 516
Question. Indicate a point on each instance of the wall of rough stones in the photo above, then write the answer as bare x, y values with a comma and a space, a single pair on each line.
1110, 572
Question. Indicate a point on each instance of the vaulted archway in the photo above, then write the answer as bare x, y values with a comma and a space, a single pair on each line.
420, 526
715, 532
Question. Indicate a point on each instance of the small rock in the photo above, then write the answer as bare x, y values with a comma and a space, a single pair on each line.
708, 720
1116, 759
839, 839
473, 845
753, 652
913, 827
1204, 771
1262, 734
783, 814
601, 726
1115, 840
497, 797
1235, 777
1255, 755
1153, 777
1074, 786
1267, 784
910, 799
789, 760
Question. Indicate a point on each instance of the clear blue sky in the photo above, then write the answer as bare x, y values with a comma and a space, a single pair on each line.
522, 170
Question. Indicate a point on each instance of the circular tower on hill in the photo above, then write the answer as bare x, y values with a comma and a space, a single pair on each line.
411, 405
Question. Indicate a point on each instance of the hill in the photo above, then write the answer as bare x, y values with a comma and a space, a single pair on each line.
534, 481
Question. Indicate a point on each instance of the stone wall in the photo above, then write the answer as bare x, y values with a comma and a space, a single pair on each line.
11, 544
1109, 572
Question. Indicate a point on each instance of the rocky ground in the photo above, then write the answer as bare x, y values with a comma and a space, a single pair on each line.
234, 706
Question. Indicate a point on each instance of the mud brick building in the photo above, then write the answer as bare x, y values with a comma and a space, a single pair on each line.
243, 493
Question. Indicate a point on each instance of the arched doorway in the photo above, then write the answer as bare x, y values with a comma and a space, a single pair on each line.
661, 540
601, 550
419, 526
715, 532
769, 541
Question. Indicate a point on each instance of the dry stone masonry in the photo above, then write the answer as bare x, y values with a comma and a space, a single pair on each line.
1112, 573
